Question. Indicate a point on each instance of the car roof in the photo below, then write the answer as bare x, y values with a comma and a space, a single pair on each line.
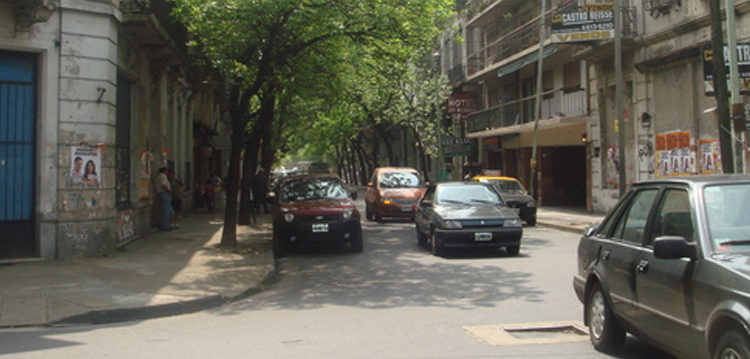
461, 183
697, 180
506, 178
312, 176
386, 169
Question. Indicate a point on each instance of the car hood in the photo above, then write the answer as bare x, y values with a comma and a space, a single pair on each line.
317, 207
413, 193
516, 197
474, 212
736, 261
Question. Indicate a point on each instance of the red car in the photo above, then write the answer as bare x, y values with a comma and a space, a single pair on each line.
393, 192
314, 209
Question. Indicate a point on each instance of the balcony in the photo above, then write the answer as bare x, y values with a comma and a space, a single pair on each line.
513, 39
151, 24
559, 103
456, 74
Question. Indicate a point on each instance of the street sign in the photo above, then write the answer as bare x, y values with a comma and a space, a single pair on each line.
594, 22
743, 67
457, 146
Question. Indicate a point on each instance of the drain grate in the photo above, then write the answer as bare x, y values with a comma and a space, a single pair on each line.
530, 333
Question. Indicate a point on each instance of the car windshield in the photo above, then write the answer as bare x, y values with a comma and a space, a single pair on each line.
728, 216
311, 189
506, 186
400, 179
468, 195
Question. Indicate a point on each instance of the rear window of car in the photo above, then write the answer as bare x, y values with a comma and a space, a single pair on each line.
468, 194
505, 186
400, 179
310, 189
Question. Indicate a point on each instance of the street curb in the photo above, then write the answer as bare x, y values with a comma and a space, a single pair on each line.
118, 315
562, 227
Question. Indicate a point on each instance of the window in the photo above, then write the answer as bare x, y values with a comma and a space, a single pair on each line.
673, 216
633, 223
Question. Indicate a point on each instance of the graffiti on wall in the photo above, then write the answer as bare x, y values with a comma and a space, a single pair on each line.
611, 168
144, 174
674, 154
124, 225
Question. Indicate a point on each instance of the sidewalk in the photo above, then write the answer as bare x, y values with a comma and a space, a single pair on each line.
571, 219
165, 273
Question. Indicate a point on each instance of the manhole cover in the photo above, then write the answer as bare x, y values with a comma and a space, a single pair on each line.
530, 333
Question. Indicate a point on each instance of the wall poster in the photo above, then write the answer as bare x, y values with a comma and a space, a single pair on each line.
85, 164
674, 155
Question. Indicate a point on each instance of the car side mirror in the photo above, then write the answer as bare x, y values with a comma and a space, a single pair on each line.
590, 231
426, 203
354, 194
427, 184
674, 247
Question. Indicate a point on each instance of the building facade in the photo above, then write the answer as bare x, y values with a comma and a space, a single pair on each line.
95, 96
669, 127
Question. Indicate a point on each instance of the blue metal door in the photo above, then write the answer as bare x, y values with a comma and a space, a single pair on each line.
17, 139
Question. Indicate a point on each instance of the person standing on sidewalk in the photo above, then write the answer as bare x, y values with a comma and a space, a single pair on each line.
164, 192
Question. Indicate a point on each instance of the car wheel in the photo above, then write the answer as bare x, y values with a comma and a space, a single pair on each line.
513, 250
421, 238
605, 332
435, 247
279, 248
376, 217
531, 221
732, 345
357, 243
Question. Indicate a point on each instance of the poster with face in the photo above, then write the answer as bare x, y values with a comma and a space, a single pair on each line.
85, 162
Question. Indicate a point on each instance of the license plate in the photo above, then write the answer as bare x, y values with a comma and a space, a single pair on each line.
516, 210
405, 209
320, 227
482, 236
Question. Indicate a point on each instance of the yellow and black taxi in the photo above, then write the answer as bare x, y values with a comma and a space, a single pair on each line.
514, 195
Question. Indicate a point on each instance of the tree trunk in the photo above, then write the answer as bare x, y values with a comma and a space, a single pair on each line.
246, 213
263, 123
237, 110
387, 142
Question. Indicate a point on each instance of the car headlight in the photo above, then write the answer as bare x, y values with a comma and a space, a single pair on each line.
347, 214
515, 222
386, 201
289, 217
453, 224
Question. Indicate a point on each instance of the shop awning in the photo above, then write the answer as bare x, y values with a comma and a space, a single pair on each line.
525, 60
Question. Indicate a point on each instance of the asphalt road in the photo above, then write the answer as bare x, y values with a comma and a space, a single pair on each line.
393, 300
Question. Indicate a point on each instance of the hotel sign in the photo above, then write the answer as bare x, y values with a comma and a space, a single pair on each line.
594, 22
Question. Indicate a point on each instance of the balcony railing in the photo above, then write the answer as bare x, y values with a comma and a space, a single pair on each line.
560, 103
456, 74
526, 36
135, 12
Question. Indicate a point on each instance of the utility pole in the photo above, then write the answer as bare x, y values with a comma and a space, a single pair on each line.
736, 104
537, 101
619, 125
720, 88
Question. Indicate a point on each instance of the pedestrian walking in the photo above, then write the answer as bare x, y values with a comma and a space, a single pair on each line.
164, 193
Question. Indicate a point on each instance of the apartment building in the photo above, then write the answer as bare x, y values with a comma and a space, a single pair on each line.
668, 122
